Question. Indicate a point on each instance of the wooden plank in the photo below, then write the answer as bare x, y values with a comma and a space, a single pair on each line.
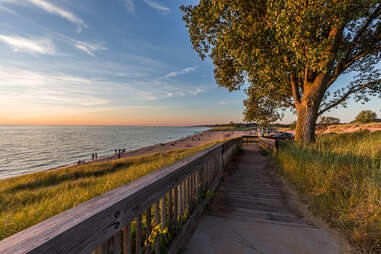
138, 231
198, 186
163, 214
157, 222
191, 190
175, 208
149, 229
183, 198
115, 247
189, 194
180, 207
170, 212
127, 239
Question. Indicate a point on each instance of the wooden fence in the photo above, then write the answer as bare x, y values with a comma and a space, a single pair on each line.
249, 139
154, 214
268, 144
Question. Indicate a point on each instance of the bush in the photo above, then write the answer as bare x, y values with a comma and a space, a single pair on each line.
366, 116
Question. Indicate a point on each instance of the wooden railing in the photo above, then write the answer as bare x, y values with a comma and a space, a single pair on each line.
249, 139
268, 144
154, 214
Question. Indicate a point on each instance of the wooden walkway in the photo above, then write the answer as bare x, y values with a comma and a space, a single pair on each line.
252, 212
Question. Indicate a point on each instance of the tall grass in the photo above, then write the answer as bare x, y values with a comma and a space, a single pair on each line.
29, 199
340, 177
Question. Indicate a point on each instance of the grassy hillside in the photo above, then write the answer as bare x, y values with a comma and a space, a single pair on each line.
340, 177
29, 199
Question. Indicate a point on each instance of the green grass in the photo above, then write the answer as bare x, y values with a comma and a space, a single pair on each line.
340, 177
29, 199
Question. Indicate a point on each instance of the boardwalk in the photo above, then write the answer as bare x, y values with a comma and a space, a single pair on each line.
253, 213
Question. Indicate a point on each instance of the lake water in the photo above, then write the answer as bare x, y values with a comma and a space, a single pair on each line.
26, 149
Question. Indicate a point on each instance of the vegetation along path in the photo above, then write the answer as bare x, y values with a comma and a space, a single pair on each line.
253, 212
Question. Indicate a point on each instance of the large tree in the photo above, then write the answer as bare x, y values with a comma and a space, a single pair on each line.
290, 53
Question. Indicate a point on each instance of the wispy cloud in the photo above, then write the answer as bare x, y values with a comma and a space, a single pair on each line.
52, 9
176, 73
34, 46
157, 6
3, 8
89, 48
130, 5
25, 86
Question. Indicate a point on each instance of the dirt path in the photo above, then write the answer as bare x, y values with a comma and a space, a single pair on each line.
252, 212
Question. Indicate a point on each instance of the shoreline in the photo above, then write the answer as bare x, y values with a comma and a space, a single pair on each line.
198, 139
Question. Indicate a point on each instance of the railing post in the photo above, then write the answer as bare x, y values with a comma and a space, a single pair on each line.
127, 239
157, 222
170, 213
163, 214
176, 205
138, 231
149, 228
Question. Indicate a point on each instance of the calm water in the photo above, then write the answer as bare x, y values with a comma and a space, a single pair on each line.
25, 149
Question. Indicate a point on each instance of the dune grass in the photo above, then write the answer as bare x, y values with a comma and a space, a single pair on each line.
340, 178
29, 199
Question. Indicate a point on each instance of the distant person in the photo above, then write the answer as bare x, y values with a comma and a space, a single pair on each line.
96, 155
92, 156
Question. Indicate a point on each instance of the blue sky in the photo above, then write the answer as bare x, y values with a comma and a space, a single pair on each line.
122, 62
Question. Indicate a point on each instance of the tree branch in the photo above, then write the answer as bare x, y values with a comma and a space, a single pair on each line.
343, 66
295, 90
345, 63
350, 91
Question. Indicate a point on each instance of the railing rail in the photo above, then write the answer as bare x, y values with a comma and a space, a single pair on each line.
268, 144
248, 139
124, 220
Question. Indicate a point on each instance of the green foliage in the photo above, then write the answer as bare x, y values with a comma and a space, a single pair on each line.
29, 199
340, 177
366, 116
329, 120
290, 52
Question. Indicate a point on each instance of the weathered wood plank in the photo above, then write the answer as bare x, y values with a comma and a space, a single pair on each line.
183, 198
149, 229
157, 222
127, 239
138, 231
170, 212
175, 208
163, 214
180, 204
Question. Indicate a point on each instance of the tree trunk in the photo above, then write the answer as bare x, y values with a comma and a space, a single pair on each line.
305, 126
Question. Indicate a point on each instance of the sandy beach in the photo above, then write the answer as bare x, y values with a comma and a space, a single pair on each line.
190, 141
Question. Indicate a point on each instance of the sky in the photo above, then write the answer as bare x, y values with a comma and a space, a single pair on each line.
119, 62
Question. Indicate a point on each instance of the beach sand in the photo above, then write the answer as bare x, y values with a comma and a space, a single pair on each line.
192, 141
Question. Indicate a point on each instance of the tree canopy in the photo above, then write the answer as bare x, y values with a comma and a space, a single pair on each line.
290, 53
328, 120
366, 116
